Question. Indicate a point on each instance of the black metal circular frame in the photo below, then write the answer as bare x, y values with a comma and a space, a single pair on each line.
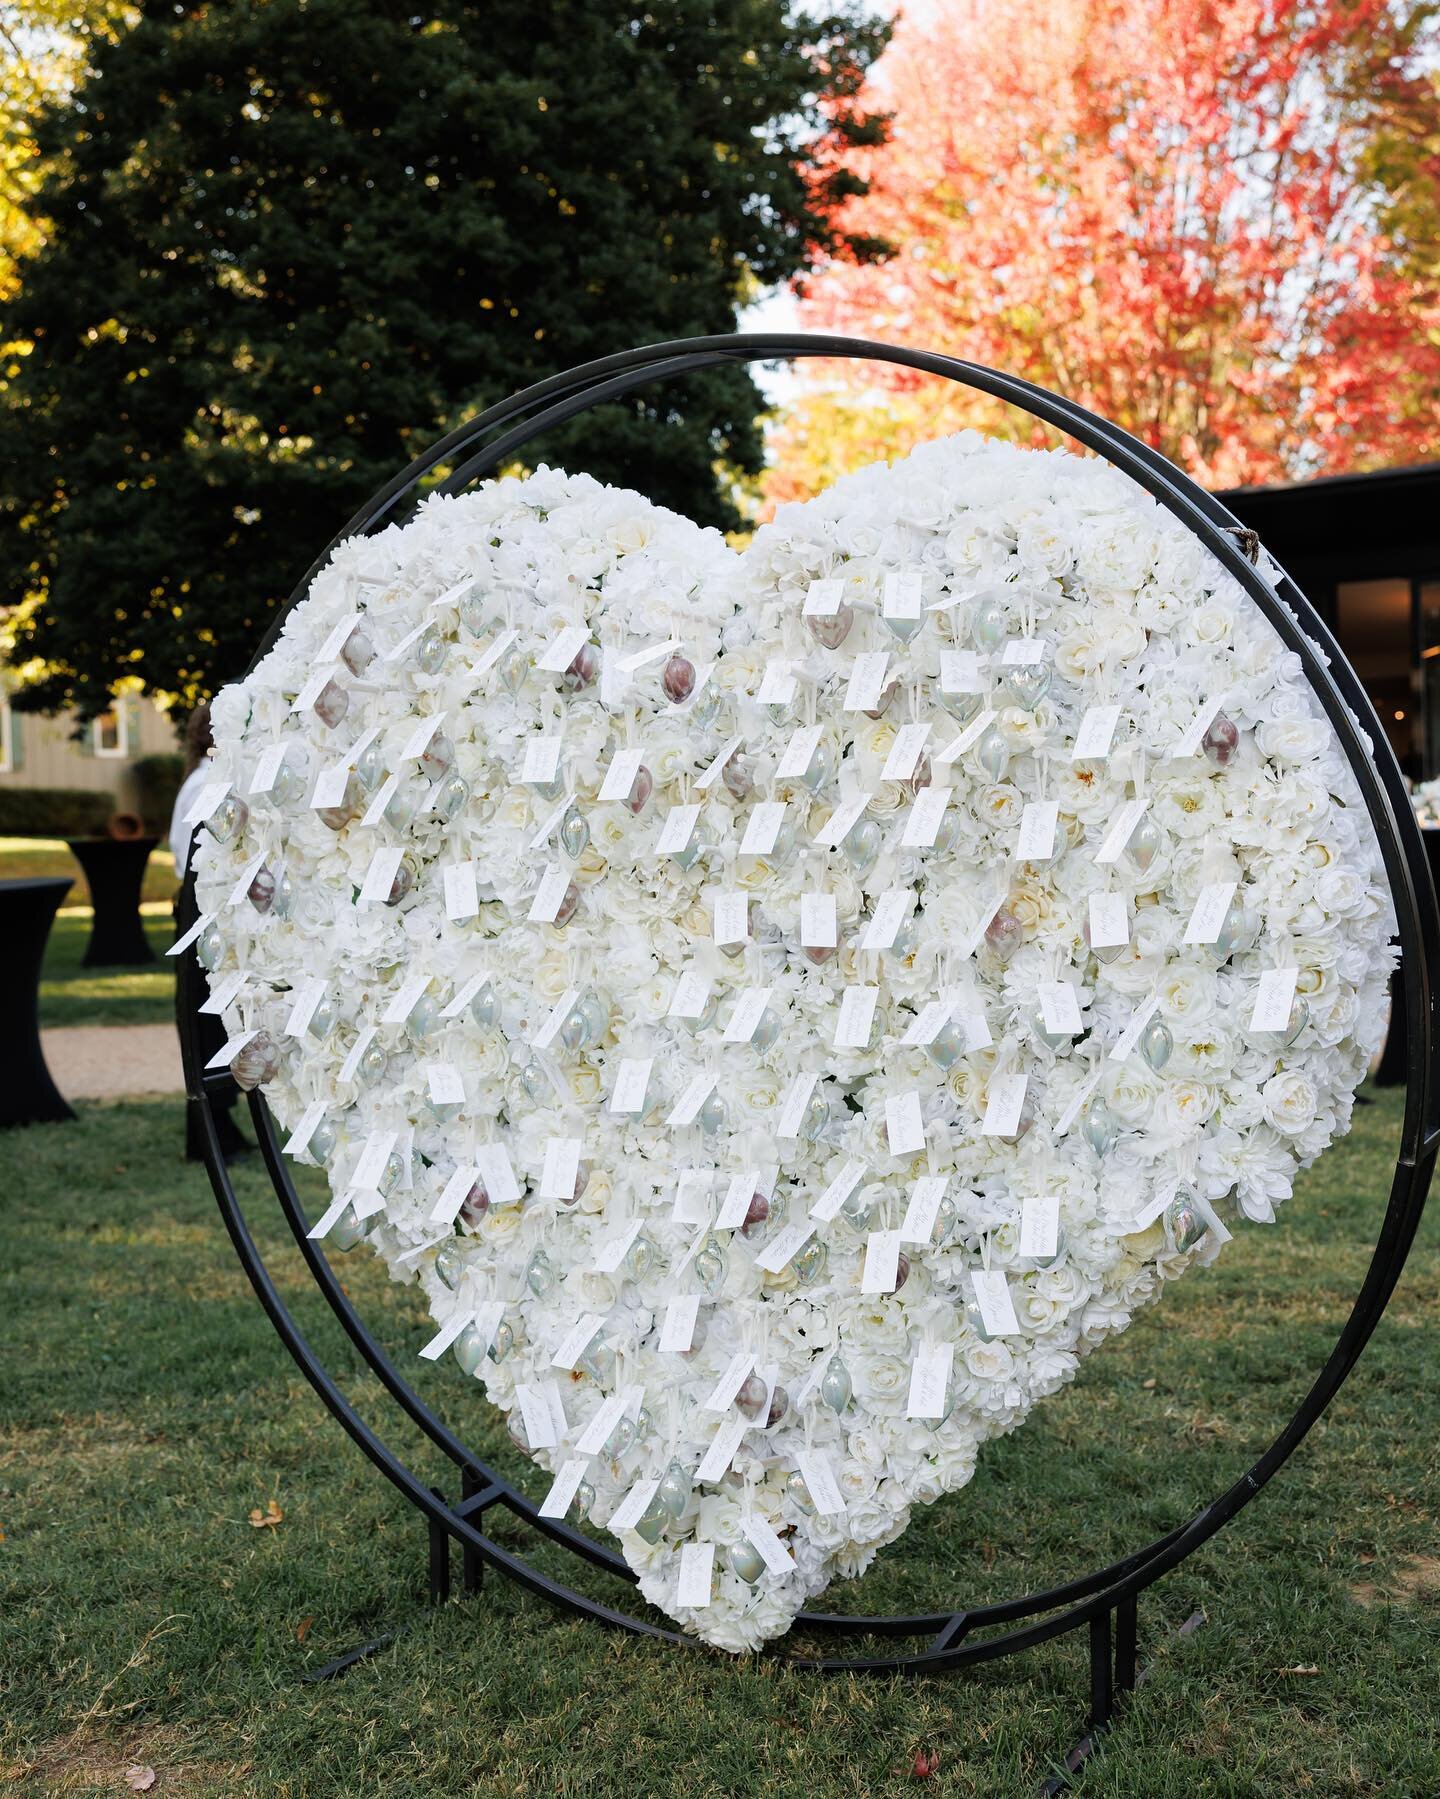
1103, 1602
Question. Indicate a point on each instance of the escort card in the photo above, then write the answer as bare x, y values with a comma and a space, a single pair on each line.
924, 1206
696, 1577
446, 1335
357, 1049
732, 1378
536, 1416
549, 822
1274, 999
1035, 840
461, 899
706, 780
882, 1262
691, 995
465, 994
186, 938
397, 650
1040, 1225
492, 653
687, 1108
905, 752
1096, 733
326, 1221
1023, 652
402, 1003
305, 1128
1208, 917
555, 1020
867, 681
1188, 743
857, 1015
929, 1379
820, 1482
453, 1195
493, 1162
231, 1048
561, 1167
1109, 920
891, 910
903, 594
992, 1296
445, 1084
1130, 1036
731, 918
638, 659
904, 1126
577, 1340
596, 1433
736, 1203
380, 876
268, 767
722, 1451
750, 1007
793, 1105
420, 738
620, 776
677, 1333
1060, 1008
972, 733
557, 655
1077, 1101
777, 685
542, 760
247, 875
1113, 843
799, 753
839, 1190
631, 1081
549, 895
761, 1532
226, 992
337, 639
922, 823
818, 926
842, 822
314, 684
677, 830
960, 672
762, 828
1004, 1104
563, 1488
784, 1246
823, 599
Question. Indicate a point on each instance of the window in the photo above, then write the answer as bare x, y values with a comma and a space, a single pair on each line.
108, 733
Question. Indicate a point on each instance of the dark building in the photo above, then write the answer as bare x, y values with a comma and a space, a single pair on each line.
1365, 550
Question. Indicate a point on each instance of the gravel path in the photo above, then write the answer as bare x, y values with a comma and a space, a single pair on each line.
112, 1061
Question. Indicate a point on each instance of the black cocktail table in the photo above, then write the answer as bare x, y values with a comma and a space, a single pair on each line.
27, 910
115, 869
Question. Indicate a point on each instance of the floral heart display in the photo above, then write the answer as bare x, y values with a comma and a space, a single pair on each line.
786, 1006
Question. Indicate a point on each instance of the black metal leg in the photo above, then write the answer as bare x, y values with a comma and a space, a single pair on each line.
1102, 1683
439, 1558
472, 1569
1126, 1631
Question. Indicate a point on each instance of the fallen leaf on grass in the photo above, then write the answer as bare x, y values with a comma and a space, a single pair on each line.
302, 1629
267, 1519
925, 1763
139, 1780
1148, 1385
1312, 1669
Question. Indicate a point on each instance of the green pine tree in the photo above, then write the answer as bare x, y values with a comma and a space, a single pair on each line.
292, 241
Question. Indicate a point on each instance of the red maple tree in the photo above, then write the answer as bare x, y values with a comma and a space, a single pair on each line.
1167, 209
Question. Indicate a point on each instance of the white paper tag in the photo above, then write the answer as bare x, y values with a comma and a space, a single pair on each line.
1130, 1036
839, 1190
445, 1084
492, 653
799, 752
561, 651
379, 800
351, 1064
972, 733
1077, 1101
620, 776
577, 1340
1274, 999
1109, 920
397, 650
867, 681
696, 1577
493, 1162
305, 1128
561, 1167
820, 1482
247, 874
691, 995
638, 659
891, 910
856, 1016
823, 599
464, 994
326, 1221
454, 1193
793, 1106
1113, 843
596, 1433
818, 926
677, 1333
732, 1378
924, 1206
404, 1000
882, 1256
224, 994
992, 1296
1023, 652
929, 1379
461, 899
904, 1125
1208, 917
922, 824
1040, 1225
268, 767
1096, 733
784, 1246
736, 1203
1004, 1103
1035, 840
762, 828
749, 1009
231, 1048
563, 1488
842, 822
777, 685
420, 738
687, 1108
186, 938
731, 918
338, 638
446, 1335
693, 1202
905, 752
960, 672
536, 1416
761, 1532
549, 895
677, 830
542, 760
1188, 743
1060, 1008
554, 1022
206, 802
631, 1082
706, 780
313, 686
549, 822
903, 594
722, 1451
380, 876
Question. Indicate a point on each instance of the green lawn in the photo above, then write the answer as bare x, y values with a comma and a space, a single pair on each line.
70, 994
147, 1408
25, 857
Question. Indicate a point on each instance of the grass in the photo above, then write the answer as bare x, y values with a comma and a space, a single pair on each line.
148, 1407
70, 994
23, 858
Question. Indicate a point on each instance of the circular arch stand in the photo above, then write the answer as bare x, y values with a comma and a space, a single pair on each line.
1104, 1602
